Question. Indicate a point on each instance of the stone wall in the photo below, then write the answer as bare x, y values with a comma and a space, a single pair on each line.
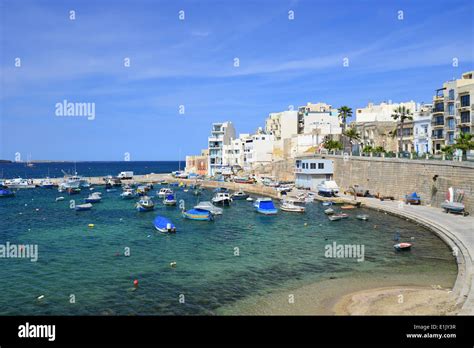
398, 177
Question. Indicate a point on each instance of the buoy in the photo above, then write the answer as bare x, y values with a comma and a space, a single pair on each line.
173, 264
135, 283
91, 225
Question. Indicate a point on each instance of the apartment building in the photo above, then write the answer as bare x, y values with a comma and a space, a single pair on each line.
452, 111
221, 135
197, 164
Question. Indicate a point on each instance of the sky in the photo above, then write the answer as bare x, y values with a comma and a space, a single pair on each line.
81, 57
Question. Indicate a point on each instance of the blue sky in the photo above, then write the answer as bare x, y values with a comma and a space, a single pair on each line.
282, 62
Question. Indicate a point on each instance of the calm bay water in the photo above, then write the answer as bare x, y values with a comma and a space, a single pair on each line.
88, 169
275, 252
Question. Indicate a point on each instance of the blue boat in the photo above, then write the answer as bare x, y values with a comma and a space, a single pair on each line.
164, 225
198, 214
169, 200
265, 206
326, 204
6, 193
413, 198
221, 190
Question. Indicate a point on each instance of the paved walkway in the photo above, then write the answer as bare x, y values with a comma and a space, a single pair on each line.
456, 230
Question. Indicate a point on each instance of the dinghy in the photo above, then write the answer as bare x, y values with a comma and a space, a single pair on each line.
402, 246
337, 217
81, 207
164, 225
290, 206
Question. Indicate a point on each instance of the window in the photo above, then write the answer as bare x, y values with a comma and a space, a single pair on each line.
451, 94
465, 117
320, 165
465, 130
451, 138
465, 100
451, 109
298, 164
439, 107
313, 165
451, 124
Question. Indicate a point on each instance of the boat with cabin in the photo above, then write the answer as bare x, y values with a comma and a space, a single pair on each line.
95, 197
169, 199
239, 195
145, 204
19, 183
328, 188
222, 198
164, 192
265, 206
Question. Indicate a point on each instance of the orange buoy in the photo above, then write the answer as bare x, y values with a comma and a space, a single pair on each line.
135, 283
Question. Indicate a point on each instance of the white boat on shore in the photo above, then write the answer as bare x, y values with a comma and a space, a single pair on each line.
19, 183
328, 188
209, 207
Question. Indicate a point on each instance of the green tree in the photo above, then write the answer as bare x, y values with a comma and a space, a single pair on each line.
378, 149
367, 149
401, 114
344, 112
330, 144
464, 142
351, 134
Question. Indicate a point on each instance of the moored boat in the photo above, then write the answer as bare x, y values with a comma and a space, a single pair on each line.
290, 206
403, 246
364, 217
169, 200
329, 211
337, 217
221, 198
73, 190
128, 194
145, 204
93, 198
81, 207
209, 207
46, 183
164, 225
239, 195
198, 214
164, 192
265, 206
243, 180
4, 193
19, 183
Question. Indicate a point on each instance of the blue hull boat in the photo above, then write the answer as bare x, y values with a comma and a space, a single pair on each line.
198, 214
265, 206
164, 225
6, 193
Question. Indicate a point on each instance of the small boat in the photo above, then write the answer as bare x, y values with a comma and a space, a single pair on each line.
452, 205
145, 204
250, 199
93, 198
169, 200
348, 206
46, 183
413, 198
328, 203
209, 207
402, 246
290, 206
221, 198
81, 207
265, 206
6, 193
128, 194
19, 183
73, 190
221, 189
364, 217
198, 214
285, 188
164, 225
111, 190
243, 180
164, 192
328, 188
337, 217
59, 199
239, 195
329, 211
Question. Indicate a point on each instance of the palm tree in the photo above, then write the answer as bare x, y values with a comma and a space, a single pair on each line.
351, 134
401, 114
344, 113
464, 142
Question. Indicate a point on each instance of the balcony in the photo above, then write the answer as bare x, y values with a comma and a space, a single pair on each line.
437, 124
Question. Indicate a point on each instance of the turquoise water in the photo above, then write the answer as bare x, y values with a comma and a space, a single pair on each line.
275, 252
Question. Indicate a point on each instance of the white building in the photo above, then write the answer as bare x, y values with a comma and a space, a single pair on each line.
234, 152
258, 150
310, 172
381, 112
422, 130
221, 135
282, 125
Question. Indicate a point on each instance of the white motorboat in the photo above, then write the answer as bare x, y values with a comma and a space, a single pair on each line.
208, 206
46, 183
290, 206
164, 192
94, 198
19, 183
222, 198
128, 194
328, 188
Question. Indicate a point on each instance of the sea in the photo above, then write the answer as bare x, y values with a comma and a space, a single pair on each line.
88, 261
